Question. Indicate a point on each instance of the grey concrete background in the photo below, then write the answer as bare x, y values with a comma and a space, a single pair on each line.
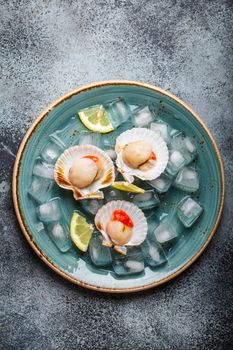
51, 47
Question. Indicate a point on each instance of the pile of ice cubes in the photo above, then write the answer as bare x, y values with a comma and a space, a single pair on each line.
48, 209
50, 214
180, 173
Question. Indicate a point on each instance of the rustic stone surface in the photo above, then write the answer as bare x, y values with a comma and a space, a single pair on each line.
51, 47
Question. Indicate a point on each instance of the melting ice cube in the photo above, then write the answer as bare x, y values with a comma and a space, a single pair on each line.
85, 139
108, 145
162, 129
189, 145
119, 111
51, 152
153, 253
187, 180
186, 146
146, 200
100, 255
90, 138
66, 136
129, 264
189, 211
175, 132
59, 234
50, 211
108, 142
152, 222
142, 117
165, 231
176, 162
91, 206
43, 169
162, 183
111, 153
40, 189
111, 194
39, 226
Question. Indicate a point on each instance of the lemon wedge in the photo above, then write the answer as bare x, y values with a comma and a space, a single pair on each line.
126, 186
96, 119
80, 231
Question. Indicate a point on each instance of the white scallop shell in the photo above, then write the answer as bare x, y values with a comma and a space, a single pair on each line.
158, 145
140, 228
65, 161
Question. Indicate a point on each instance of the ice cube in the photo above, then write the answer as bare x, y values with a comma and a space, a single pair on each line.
40, 189
176, 162
129, 264
187, 180
111, 153
100, 255
189, 211
43, 169
90, 138
111, 194
142, 117
134, 265
161, 215
85, 139
153, 253
108, 142
165, 231
175, 221
147, 200
59, 234
133, 107
50, 211
66, 136
51, 152
39, 226
189, 145
185, 145
162, 183
108, 146
119, 112
91, 206
161, 128
175, 133
152, 222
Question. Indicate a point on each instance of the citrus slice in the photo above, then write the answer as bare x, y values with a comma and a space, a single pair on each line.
96, 119
80, 231
128, 187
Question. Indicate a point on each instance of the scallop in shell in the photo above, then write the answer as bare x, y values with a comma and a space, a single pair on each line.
134, 146
84, 169
139, 226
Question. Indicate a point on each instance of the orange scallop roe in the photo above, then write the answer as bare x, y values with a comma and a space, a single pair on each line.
94, 158
153, 156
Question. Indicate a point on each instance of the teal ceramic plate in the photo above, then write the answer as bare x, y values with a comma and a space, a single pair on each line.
72, 265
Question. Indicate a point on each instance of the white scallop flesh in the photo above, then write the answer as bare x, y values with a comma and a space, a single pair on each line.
140, 228
68, 159
158, 145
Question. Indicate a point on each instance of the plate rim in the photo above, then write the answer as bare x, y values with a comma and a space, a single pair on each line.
20, 216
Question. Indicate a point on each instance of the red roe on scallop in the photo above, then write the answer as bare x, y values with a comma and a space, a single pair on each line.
153, 156
94, 158
120, 215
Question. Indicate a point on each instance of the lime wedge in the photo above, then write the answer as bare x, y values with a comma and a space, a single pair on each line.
126, 186
97, 119
80, 231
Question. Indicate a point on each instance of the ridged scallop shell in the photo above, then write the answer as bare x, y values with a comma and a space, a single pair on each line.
140, 228
65, 162
158, 145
